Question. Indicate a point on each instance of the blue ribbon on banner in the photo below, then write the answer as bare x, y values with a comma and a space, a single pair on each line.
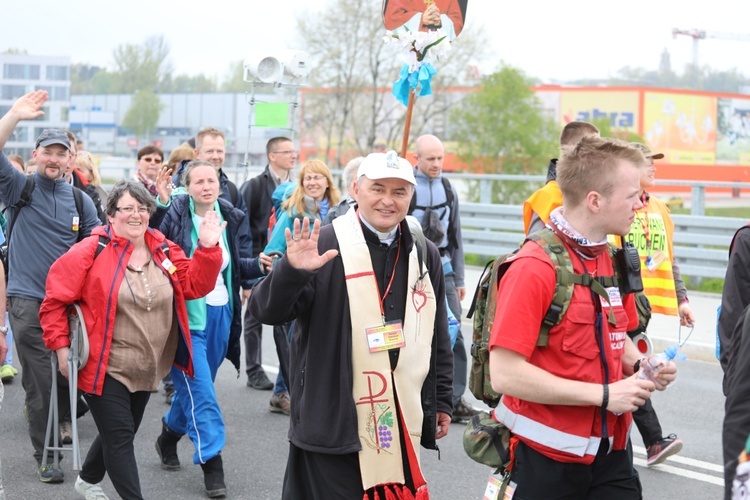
421, 78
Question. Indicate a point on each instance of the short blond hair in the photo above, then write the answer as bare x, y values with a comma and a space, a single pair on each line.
180, 153
84, 159
591, 166
210, 131
573, 132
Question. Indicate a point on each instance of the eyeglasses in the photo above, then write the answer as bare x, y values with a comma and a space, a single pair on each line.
131, 210
151, 160
309, 178
288, 152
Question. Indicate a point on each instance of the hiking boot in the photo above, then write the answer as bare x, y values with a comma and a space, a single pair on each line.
49, 474
662, 449
213, 478
166, 448
90, 491
66, 432
7, 374
463, 412
259, 381
280, 404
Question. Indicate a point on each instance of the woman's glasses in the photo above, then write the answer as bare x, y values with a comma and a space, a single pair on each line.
131, 210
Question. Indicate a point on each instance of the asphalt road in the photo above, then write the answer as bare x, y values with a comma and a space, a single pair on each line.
256, 450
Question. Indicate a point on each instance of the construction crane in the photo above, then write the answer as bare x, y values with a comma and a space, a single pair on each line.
697, 35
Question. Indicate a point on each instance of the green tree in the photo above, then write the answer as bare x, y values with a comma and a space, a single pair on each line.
143, 114
503, 128
235, 81
141, 66
184, 84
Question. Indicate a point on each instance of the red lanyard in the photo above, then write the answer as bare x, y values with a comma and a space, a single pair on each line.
646, 226
390, 282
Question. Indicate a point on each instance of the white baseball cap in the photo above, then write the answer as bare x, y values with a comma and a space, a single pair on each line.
386, 166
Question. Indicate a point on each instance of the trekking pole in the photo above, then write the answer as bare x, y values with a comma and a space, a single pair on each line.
72, 361
53, 417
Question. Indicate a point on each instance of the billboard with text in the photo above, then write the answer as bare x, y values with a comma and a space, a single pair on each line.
619, 107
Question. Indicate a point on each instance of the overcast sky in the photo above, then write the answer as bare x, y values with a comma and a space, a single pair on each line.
550, 40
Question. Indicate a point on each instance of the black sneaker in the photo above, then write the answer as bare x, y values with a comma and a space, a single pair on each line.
462, 412
259, 381
49, 474
661, 450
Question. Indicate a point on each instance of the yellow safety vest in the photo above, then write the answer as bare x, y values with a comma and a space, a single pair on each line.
652, 232
542, 202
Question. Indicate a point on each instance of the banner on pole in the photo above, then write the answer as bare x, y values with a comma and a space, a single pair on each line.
425, 15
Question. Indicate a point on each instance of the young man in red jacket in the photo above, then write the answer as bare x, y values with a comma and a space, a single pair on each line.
569, 402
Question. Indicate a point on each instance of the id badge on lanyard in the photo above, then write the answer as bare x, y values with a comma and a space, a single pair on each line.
654, 261
386, 337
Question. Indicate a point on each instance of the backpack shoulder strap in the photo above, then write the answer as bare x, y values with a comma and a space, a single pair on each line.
25, 199
233, 194
419, 240
564, 283
448, 191
566, 279
450, 199
78, 199
255, 188
103, 242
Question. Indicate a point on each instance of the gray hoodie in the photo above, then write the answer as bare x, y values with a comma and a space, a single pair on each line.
44, 228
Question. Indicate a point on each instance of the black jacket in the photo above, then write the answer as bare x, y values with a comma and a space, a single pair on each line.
257, 193
176, 223
735, 297
323, 416
92, 193
737, 405
552, 170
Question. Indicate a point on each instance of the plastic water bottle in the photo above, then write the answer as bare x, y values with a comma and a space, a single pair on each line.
651, 367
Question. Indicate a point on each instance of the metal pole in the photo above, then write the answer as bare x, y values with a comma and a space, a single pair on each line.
245, 163
698, 205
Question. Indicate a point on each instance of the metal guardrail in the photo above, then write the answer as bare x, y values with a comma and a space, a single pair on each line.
700, 243
697, 188
115, 168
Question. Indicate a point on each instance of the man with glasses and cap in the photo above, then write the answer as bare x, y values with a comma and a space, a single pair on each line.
44, 229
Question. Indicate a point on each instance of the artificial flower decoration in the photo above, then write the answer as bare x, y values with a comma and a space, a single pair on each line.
421, 49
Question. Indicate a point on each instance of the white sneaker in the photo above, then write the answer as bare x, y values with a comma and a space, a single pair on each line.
90, 491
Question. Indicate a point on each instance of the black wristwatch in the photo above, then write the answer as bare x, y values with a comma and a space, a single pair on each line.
637, 365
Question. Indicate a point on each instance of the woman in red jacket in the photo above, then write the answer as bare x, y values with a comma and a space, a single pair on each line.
132, 293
